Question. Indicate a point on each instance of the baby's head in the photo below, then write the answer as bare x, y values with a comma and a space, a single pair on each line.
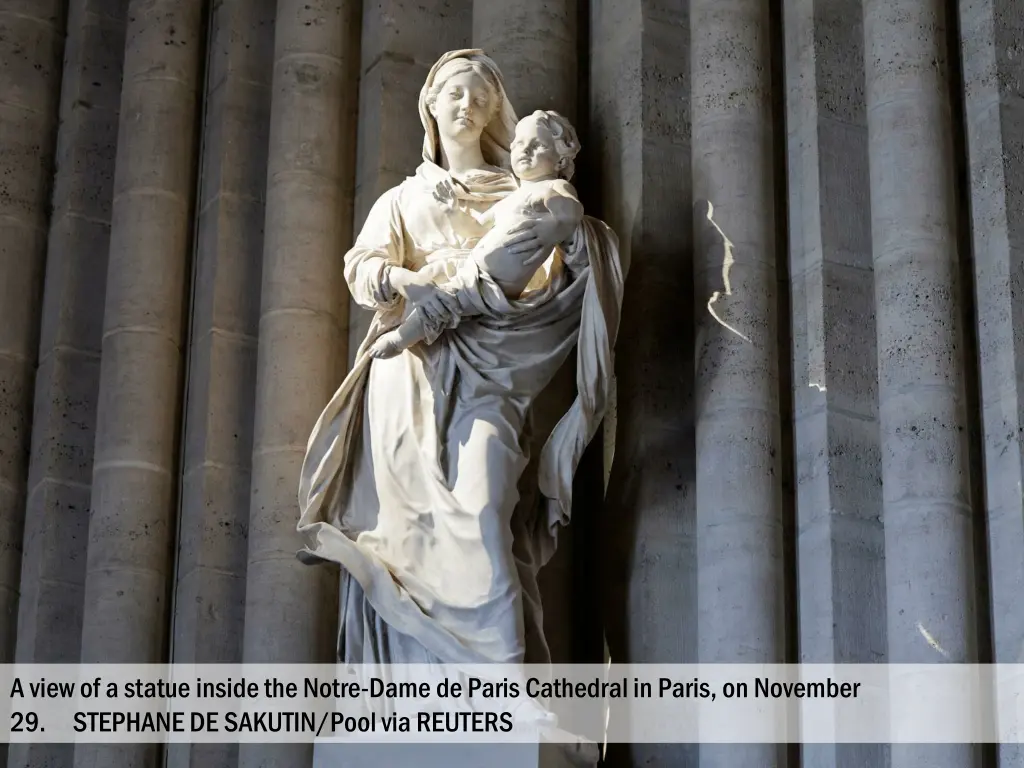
545, 146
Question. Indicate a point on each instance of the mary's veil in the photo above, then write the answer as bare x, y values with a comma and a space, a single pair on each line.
497, 136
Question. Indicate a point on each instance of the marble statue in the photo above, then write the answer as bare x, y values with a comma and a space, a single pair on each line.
482, 284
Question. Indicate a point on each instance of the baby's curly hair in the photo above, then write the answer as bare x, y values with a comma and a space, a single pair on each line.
567, 143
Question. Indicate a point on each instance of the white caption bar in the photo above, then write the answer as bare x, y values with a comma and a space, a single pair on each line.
811, 704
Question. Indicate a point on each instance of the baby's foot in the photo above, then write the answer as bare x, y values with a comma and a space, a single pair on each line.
388, 345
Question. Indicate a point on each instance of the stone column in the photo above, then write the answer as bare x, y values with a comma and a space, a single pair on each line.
534, 44
132, 525
740, 586
31, 47
67, 381
921, 357
400, 42
636, 151
209, 604
991, 30
291, 608
839, 485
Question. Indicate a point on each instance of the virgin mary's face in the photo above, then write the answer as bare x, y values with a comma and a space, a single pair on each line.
463, 107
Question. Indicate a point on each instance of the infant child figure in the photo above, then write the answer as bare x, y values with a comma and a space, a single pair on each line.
527, 224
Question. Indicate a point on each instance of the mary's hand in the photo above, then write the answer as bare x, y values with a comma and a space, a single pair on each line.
532, 235
420, 291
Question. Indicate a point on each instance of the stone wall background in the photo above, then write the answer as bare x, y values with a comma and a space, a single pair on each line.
815, 451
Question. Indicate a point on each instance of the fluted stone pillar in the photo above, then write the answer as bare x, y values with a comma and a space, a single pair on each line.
638, 157
838, 489
534, 44
31, 46
209, 604
291, 608
991, 30
930, 588
400, 42
134, 484
67, 381
740, 586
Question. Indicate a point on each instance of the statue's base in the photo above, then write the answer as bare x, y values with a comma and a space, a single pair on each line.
543, 755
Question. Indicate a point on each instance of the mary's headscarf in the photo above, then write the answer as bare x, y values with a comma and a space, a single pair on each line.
497, 136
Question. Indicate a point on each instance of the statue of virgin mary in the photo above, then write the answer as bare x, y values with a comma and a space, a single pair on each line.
414, 472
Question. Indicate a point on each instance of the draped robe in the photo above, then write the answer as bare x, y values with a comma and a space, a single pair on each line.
412, 475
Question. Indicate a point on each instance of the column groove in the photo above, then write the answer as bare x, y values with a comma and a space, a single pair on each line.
210, 573
637, 172
31, 50
922, 365
291, 608
133, 500
739, 528
989, 32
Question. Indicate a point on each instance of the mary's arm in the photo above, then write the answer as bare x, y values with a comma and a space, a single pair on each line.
378, 249
375, 271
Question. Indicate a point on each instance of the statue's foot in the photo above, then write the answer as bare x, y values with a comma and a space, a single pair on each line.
388, 345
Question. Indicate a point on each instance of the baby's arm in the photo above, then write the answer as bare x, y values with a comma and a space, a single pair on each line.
485, 219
